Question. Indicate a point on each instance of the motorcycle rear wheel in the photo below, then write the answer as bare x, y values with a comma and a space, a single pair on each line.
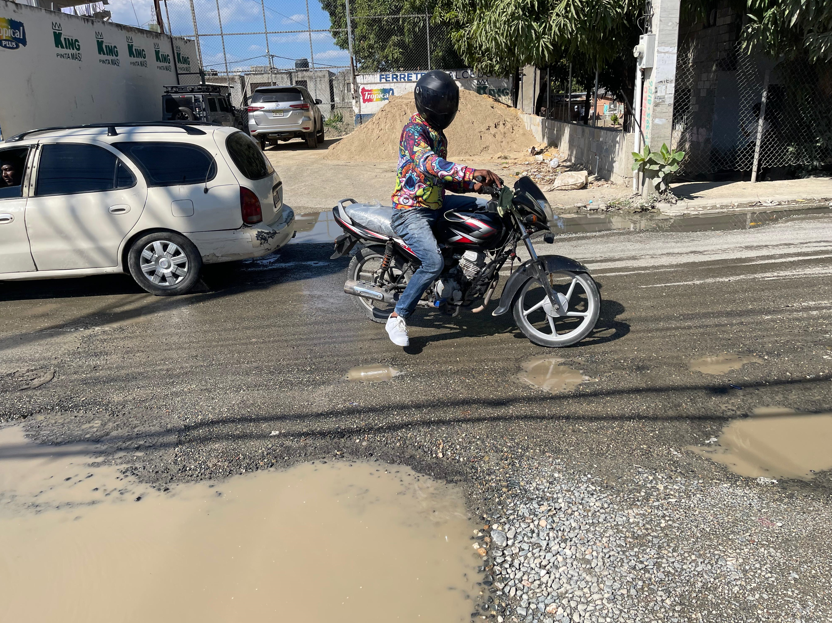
363, 267
546, 328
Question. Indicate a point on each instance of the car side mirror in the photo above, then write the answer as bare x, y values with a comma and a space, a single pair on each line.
318, 102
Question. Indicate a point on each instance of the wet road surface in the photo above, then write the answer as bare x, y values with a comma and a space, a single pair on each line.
251, 372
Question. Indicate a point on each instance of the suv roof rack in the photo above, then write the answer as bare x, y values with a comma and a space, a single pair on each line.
193, 88
111, 128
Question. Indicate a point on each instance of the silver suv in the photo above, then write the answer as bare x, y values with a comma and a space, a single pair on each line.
283, 113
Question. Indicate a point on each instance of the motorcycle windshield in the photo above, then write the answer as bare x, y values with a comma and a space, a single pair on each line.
526, 185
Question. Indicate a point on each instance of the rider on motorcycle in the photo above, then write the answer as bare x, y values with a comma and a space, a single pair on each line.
419, 198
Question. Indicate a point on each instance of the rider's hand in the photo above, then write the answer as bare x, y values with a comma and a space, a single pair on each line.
489, 179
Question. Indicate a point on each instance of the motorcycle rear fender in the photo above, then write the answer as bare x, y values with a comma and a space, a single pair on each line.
549, 263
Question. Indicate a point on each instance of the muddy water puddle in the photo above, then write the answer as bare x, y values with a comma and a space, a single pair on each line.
317, 543
372, 374
721, 364
550, 375
775, 443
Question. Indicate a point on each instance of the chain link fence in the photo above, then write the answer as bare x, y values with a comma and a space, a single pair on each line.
287, 51
746, 116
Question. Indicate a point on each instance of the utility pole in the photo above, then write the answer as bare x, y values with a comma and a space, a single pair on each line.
196, 33
160, 21
311, 53
268, 51
355, 90
172, 44
569, 100
224, 57
595, 99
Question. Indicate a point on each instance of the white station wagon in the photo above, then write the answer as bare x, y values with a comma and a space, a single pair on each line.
157, 200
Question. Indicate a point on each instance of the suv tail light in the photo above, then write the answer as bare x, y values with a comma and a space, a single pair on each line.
250, 207
300, 106
254, 108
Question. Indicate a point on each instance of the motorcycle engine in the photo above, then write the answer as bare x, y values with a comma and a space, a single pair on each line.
448, 289
472, 263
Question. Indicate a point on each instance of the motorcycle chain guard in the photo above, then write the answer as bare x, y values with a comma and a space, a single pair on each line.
548, 264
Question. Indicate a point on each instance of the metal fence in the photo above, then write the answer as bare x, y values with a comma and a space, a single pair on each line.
746, 116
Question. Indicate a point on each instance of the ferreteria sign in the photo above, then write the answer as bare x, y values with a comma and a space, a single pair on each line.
137, 55
12, 34
69, 47
107, 52
375, 90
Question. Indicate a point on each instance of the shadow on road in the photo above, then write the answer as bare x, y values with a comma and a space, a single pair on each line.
336, 423
300, 145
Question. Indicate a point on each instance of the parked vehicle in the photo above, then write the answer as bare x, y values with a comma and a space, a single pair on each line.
283, 113
554, 299
204, 102
157, 200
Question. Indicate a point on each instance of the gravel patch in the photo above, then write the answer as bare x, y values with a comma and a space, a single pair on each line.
568, 547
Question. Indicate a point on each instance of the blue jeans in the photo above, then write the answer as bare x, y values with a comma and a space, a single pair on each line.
415, 227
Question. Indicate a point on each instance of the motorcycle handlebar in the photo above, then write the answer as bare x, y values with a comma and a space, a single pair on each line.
491, 190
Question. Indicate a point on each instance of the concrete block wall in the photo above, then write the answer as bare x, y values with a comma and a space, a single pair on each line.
607, 150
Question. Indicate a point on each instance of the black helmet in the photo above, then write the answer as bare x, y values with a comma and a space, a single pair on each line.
437, 99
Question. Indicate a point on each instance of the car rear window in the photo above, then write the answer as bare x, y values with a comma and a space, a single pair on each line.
283, 95
247, 156
171, 164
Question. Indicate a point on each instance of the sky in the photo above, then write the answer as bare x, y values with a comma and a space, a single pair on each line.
244, 16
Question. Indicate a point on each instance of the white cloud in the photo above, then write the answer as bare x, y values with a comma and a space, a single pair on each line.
332, 54
297, 18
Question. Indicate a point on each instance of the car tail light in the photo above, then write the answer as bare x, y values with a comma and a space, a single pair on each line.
254, 108
300, 106
250, 207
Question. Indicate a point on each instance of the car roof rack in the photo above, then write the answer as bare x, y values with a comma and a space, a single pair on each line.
111, 128
193, 88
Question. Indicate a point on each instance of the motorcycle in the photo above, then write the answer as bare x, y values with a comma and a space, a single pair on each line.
554, 299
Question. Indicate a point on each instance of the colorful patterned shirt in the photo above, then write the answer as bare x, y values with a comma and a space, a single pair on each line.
424, 174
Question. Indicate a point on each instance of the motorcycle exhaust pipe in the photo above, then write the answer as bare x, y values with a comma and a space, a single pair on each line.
369, 291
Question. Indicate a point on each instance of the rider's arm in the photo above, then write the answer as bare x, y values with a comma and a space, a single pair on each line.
426, 161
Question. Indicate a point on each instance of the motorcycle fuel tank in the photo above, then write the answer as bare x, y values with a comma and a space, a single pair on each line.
470, 230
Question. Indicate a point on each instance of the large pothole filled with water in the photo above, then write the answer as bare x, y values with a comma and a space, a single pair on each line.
316, 543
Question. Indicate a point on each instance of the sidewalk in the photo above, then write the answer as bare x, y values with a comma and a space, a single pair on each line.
700, 196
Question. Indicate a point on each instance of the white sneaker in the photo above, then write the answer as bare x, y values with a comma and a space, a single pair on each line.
397, 330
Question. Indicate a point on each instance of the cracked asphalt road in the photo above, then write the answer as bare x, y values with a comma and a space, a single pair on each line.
249, 373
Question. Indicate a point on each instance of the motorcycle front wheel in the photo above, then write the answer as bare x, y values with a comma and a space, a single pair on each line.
580, 305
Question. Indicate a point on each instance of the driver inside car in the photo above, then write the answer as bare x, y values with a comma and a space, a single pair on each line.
419, 200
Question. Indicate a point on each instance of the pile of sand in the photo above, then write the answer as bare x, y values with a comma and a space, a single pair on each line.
483, 128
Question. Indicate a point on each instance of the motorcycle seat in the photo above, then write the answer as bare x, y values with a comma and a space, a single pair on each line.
372, 216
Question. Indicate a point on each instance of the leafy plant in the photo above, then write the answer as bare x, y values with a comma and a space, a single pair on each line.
658, 166
334, 120
614, 119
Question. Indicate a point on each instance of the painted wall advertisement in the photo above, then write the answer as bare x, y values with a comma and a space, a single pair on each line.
58, 69
375, 90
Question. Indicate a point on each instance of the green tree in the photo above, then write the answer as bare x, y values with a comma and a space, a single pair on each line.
387, 36
790, 27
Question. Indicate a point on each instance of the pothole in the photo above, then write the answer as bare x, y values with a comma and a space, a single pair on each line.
21, 380
721, 364
350, 542
550, 375
372, 374
775, 443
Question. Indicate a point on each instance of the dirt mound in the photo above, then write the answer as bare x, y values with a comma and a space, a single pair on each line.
483, 128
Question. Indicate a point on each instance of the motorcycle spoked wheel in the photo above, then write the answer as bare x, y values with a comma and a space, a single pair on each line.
535, 318
363, 267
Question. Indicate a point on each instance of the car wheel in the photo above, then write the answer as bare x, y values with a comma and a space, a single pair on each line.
312, 140
321, 133
164, 263
262, 141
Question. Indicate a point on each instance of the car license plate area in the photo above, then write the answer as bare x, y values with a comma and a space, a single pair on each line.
277, 113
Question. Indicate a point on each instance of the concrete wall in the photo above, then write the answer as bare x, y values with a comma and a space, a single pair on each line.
608, 150
58, 69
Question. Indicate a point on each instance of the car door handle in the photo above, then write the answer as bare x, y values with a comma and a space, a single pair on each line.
6, 218
119, 209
